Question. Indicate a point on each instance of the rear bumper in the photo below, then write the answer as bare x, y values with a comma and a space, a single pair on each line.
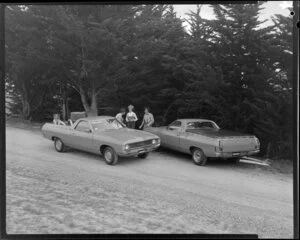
137, 151
235, 154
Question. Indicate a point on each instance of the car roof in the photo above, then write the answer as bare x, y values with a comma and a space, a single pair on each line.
94, 118
192, 119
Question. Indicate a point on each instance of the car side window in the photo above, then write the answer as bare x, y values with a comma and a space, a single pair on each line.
175, 125
83, 126
198, 125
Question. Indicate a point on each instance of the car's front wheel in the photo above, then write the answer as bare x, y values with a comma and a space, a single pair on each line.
59, 145
143, 155
110, 156
199, 157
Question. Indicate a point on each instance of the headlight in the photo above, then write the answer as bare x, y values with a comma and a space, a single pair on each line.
155, 141
126, 147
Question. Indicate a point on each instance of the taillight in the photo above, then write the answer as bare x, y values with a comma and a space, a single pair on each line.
257, 143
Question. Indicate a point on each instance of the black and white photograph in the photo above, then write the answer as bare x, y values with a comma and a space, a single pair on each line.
150, 119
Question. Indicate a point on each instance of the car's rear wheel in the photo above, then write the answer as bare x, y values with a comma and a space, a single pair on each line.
110, 156
143, 155
199, 157
59, 145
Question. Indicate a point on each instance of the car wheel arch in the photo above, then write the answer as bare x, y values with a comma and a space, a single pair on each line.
193, 147
102, 147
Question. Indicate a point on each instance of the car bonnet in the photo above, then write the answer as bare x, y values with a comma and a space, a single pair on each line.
127, 135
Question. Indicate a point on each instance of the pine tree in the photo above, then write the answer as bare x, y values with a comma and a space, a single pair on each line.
28, 66
243, 49
90, 36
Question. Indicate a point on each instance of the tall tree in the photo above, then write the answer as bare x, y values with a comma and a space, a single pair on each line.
28, 66
89, 36
243, 50
157, 39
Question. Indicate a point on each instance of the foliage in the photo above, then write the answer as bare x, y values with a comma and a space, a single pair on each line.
103, 57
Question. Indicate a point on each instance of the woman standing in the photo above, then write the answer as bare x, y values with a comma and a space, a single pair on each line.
148, 119
131, 117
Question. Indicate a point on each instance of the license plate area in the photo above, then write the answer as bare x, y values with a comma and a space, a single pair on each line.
236, 154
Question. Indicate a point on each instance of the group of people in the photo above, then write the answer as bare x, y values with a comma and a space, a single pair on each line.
129, 121
131, 118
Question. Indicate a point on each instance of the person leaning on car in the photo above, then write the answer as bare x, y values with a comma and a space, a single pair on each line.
148, 119
120, 115
131, 117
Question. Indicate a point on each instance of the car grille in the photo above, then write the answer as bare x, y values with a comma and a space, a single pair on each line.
140, 144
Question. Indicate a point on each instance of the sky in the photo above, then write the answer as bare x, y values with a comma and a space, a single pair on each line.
271, 8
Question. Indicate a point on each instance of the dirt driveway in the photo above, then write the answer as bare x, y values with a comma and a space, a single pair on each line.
76, 192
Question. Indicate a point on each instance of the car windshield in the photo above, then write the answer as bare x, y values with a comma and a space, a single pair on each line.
107, 124
201, 125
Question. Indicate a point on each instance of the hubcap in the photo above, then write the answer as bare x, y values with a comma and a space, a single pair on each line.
108, 155
58, 144
197, 156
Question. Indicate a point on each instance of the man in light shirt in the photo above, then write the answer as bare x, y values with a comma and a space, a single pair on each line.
148, 119
120, 115
131, 117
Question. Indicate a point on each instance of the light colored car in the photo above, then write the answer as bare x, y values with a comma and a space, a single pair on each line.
204, 139
102, 135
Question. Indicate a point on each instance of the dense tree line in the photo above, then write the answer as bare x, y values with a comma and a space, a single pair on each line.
103, 57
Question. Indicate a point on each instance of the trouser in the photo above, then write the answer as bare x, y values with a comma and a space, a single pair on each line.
131, 125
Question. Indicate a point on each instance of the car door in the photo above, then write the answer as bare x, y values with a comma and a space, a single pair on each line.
82, 136
172, 135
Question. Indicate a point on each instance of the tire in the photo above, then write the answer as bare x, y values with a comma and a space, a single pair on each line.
199, 157
110, 156
59, 145
234, 160
143, 155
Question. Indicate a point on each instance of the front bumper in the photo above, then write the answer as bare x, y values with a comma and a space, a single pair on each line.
235, 154
136, 151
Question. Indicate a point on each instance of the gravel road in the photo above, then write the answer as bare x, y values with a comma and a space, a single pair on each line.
76, 192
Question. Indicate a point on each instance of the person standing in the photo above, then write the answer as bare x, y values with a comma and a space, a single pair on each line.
131, 117
148, 119
57, 121
120, 115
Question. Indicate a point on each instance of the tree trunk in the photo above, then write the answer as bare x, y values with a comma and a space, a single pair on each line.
25, 109
94, 106
91, 109
84, 101
167, 112
64, 112
25, 113
268, 155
